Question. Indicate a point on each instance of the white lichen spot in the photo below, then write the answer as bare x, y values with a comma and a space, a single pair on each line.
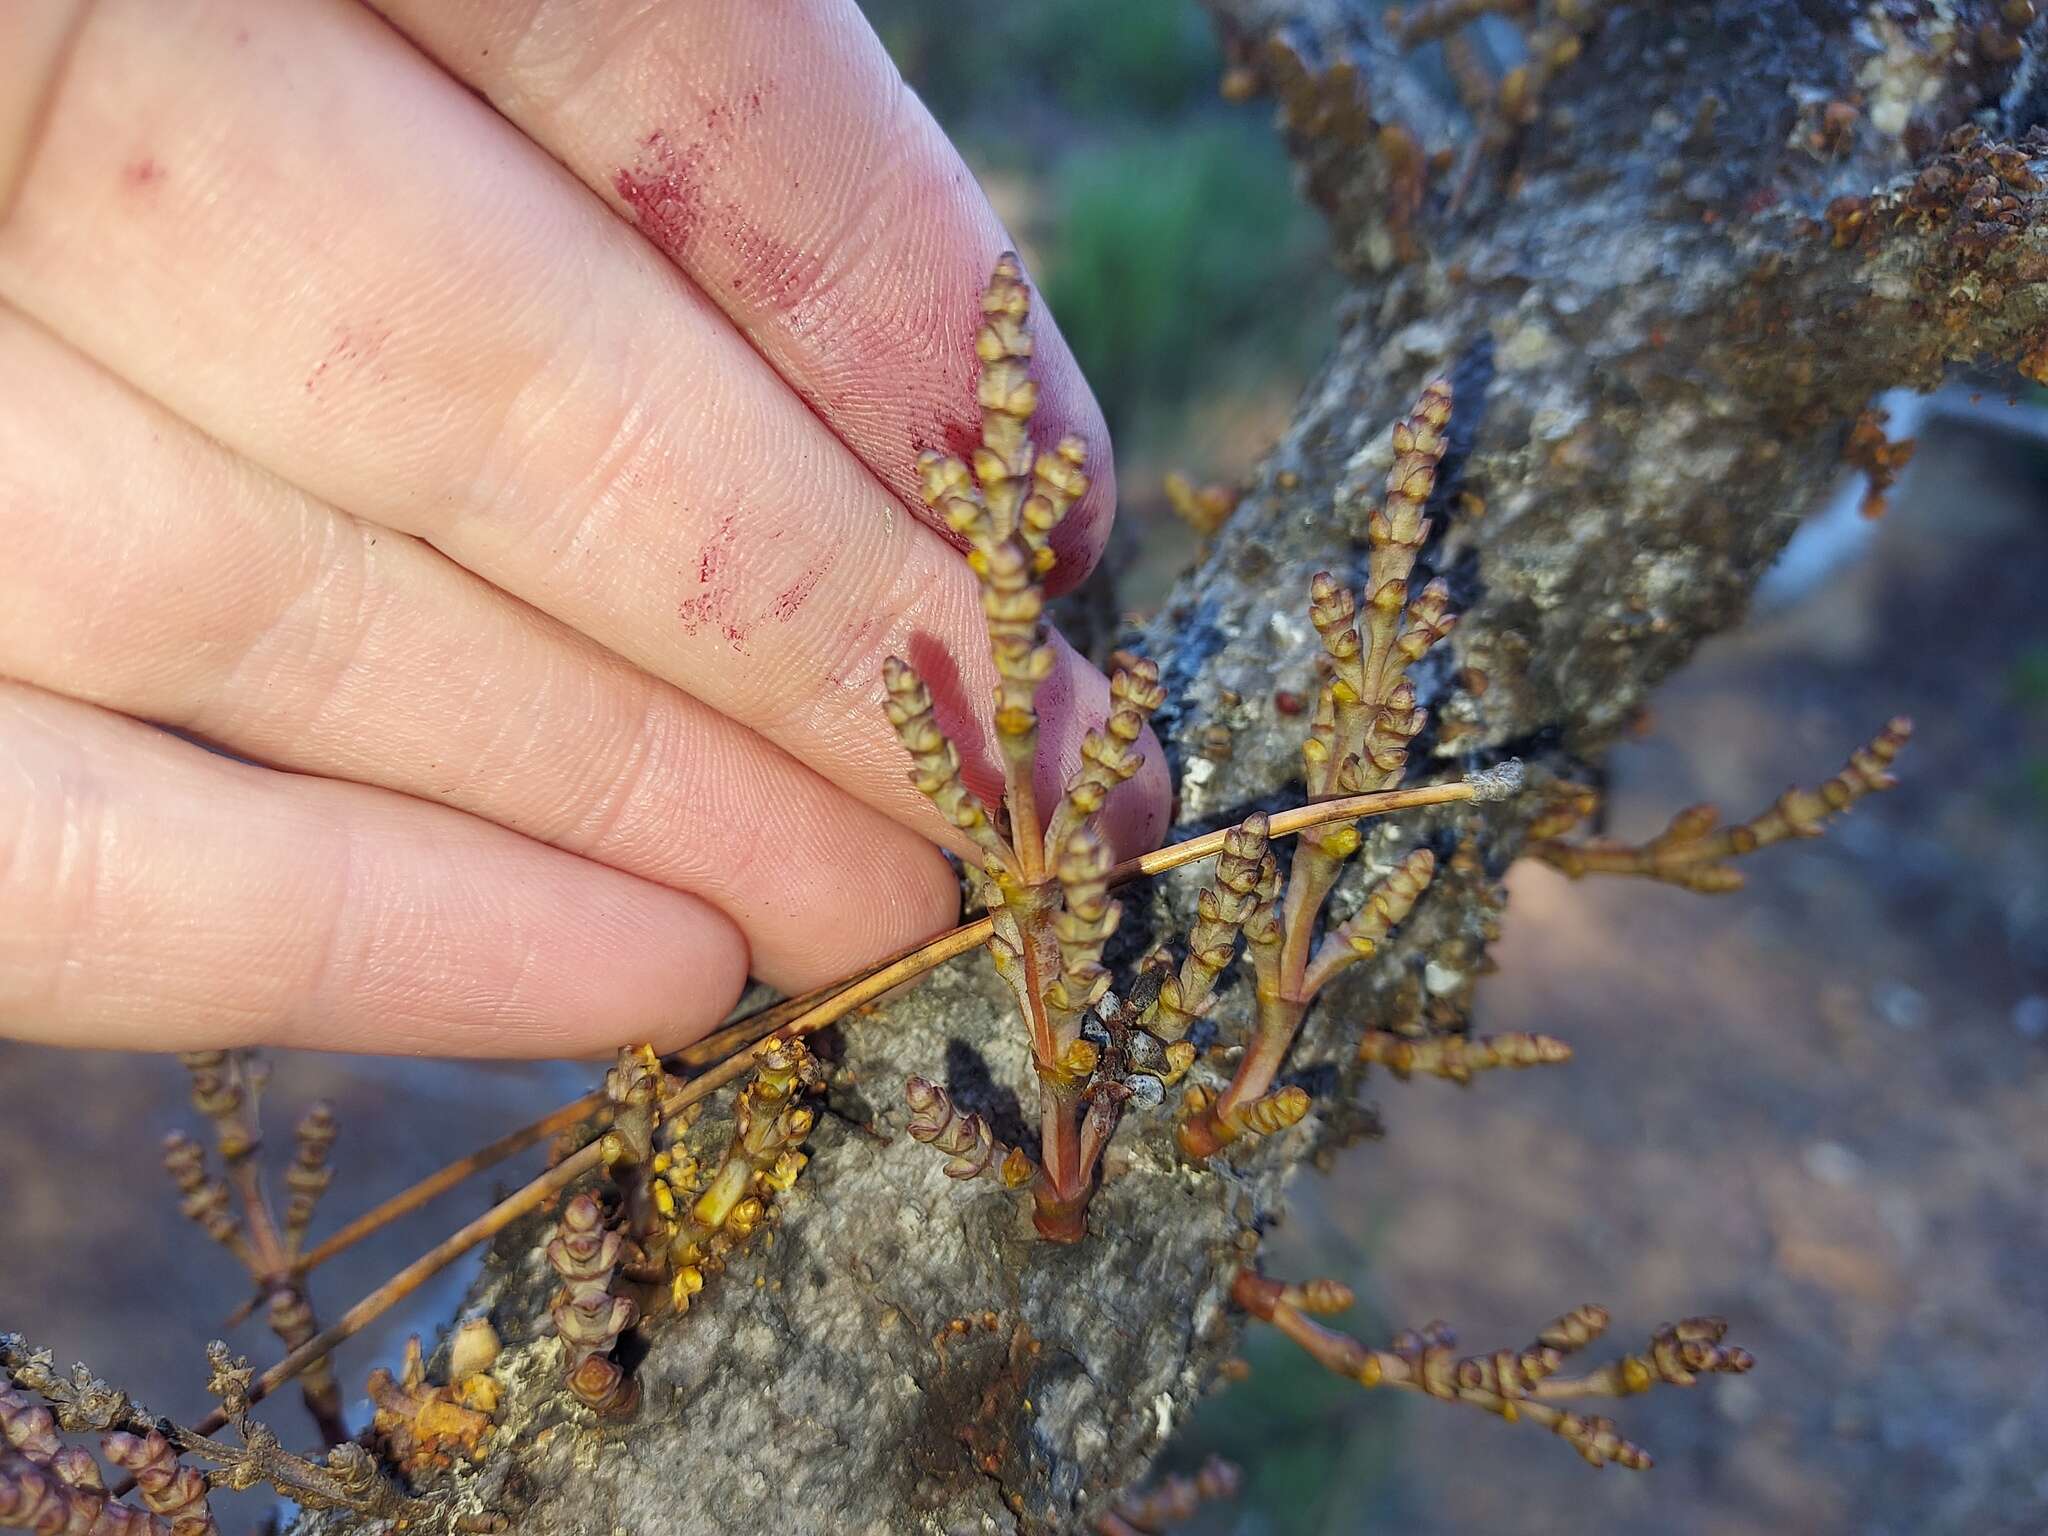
1441, 979
1906, 68
1429, 339
1526, 347
1553, 424
1288, 628
1162, 1417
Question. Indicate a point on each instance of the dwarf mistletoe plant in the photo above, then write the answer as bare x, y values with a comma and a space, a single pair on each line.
1045, 880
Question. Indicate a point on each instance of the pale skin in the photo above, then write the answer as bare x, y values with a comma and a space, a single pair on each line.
492, 426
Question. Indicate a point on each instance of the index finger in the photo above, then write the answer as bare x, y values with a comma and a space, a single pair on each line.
774, 154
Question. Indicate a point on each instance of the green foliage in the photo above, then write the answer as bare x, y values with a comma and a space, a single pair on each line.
2026, 683
1148, 199
1159, 227
2027, 680
1146, 58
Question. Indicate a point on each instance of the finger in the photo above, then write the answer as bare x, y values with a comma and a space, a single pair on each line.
35, 36
493, 363
156, 896
776, 156
234, 607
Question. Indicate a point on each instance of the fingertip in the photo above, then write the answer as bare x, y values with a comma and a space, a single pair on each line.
866, 912
673, 979
929, 903
573, 960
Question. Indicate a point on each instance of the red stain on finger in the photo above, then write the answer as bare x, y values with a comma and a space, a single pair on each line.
789, 602
959, 438
665, 192
714, 598
772, 272
144, 172
669, 190
717, 588
351, 346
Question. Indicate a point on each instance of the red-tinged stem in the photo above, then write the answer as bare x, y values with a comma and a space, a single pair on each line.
1060, 1218
1059, 1137
1284, 997
1266, 1300
266, 1245
1045, 1043
1279, 1019
1027, 832
1308, 886
1256, 1294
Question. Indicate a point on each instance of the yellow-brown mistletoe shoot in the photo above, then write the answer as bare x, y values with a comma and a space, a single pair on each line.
1516, 1384
1695, 849
1554, 35
970, 1147
422, 1428
673, 1219
709, 1213
1225, 904
1045, 873
1456, 1057
584, 1253
1880, 457
1204, 508
1042, 870
1365, 718
236, 1213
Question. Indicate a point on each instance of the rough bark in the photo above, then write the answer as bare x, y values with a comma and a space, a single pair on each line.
1659, 338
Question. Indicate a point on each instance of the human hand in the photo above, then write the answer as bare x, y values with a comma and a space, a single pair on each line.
496, 425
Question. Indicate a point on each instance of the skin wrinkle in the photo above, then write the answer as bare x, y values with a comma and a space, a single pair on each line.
40, 41
384, 929
67, 853
332, 598
580, 60
523, 433
346, 870
579, 676
600, 497
628, 787
850, 685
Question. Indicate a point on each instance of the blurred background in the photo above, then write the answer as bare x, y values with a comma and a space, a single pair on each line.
1818, 1106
